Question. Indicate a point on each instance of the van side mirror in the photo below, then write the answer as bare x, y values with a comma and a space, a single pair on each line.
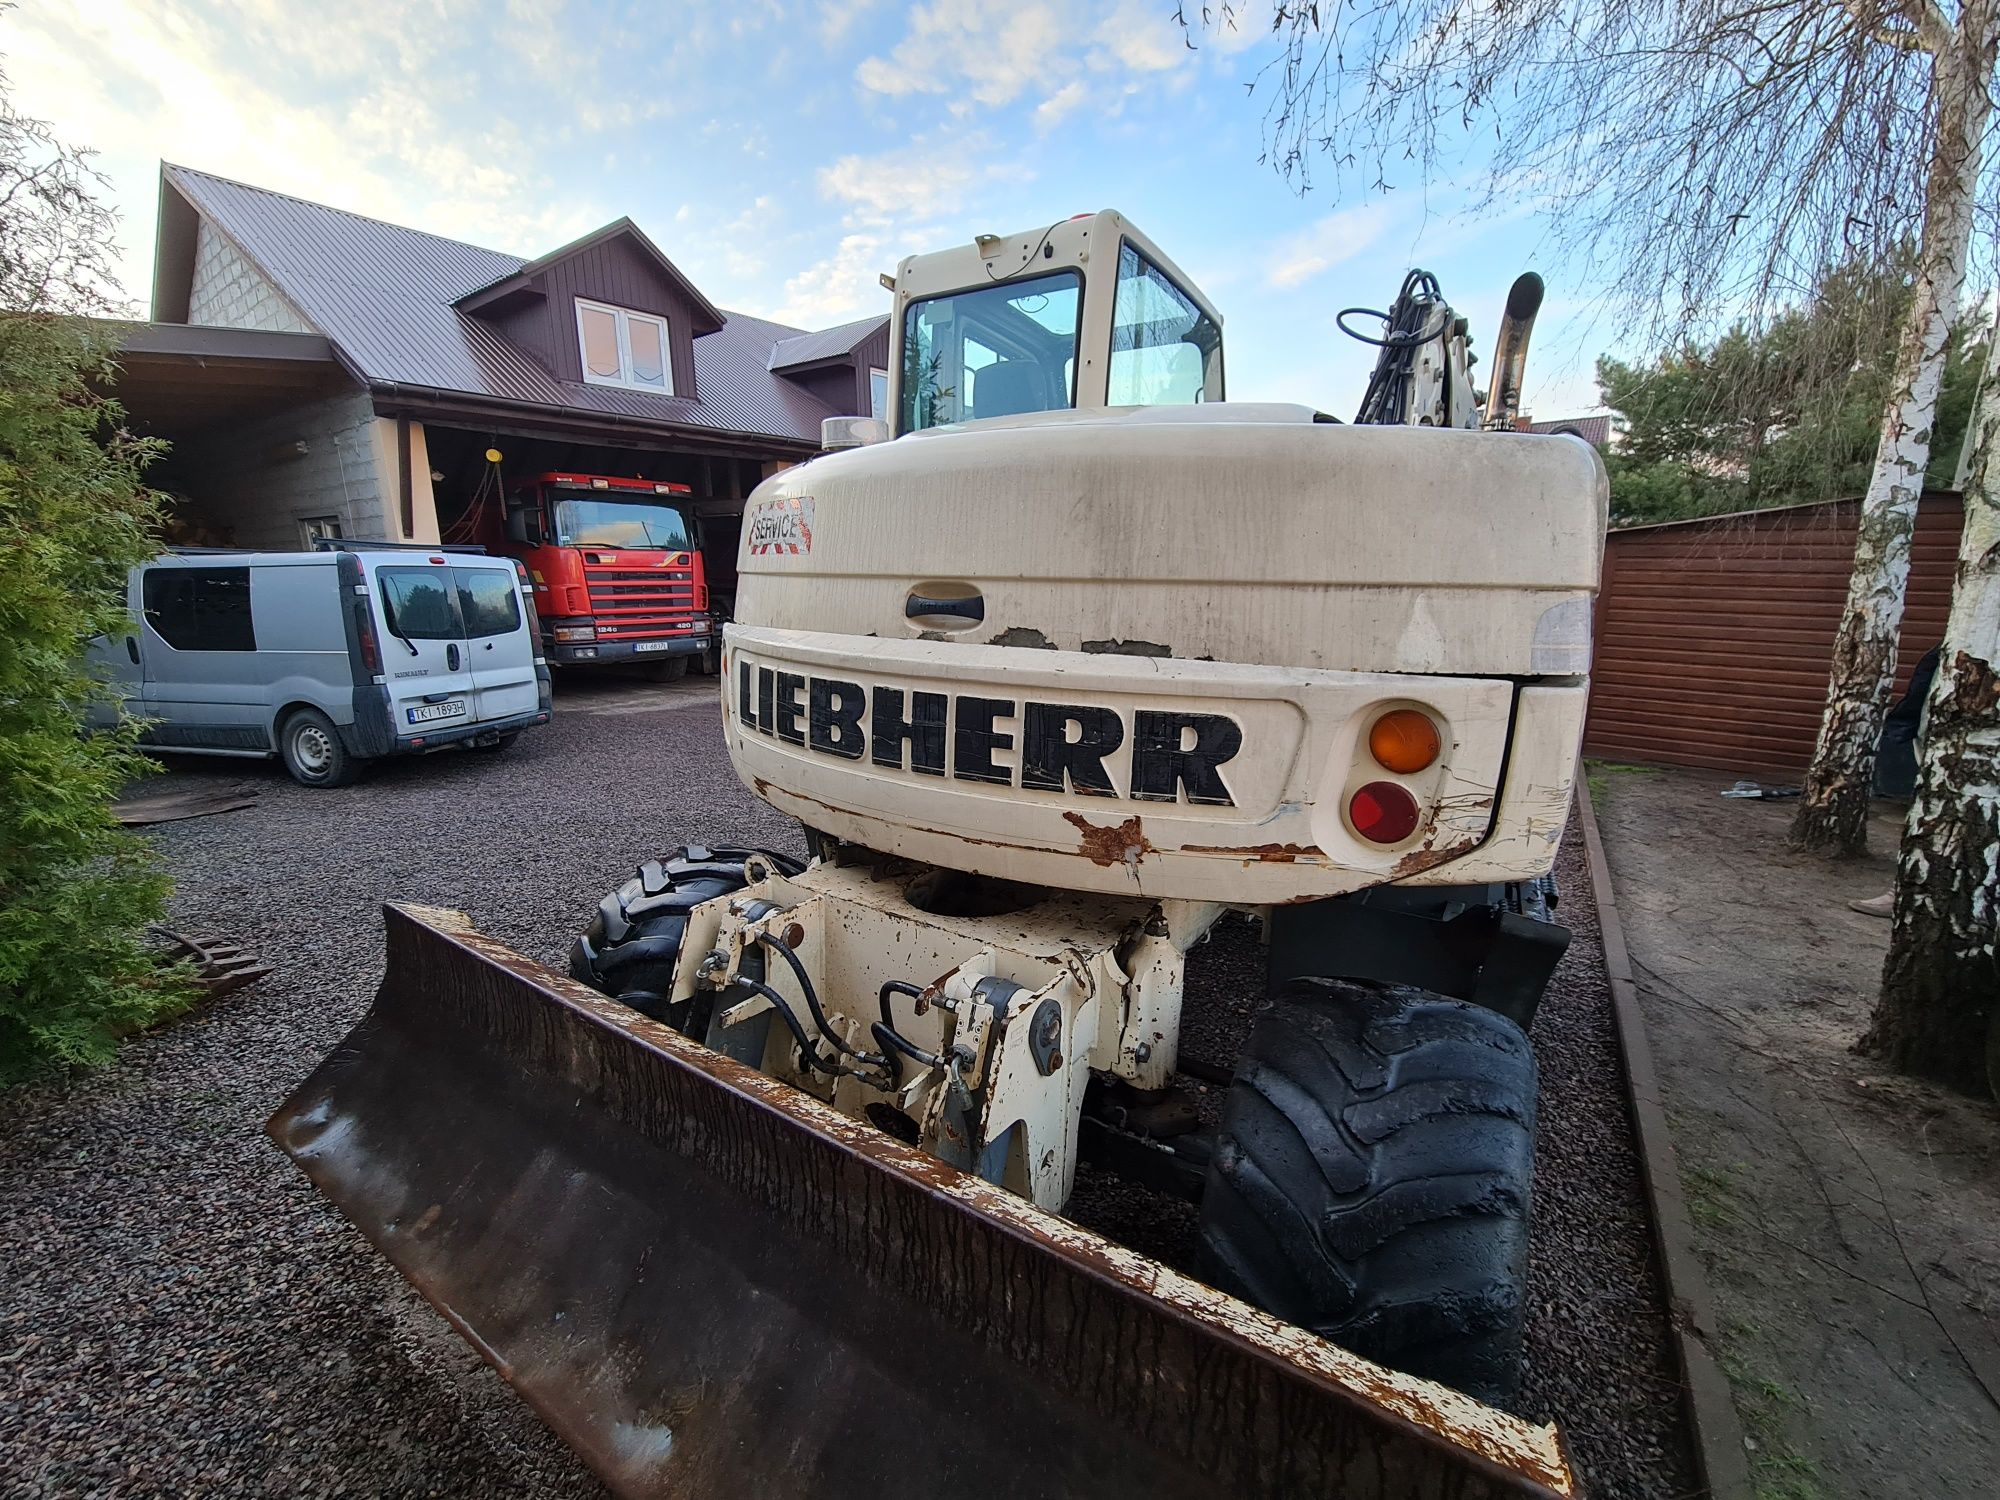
524, 525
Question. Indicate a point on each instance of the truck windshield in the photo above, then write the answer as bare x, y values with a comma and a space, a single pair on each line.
600, 522
994, 351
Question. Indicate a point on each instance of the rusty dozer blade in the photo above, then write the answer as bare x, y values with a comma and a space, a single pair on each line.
710, 1284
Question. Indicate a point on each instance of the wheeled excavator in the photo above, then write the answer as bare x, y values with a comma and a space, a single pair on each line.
1063, 664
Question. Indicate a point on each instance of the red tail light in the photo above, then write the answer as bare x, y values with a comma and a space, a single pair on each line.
371, 649
1383, 812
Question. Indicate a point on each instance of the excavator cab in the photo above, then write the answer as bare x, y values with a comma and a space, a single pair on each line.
1013, 324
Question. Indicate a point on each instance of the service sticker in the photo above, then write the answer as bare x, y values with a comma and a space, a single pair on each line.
782, 526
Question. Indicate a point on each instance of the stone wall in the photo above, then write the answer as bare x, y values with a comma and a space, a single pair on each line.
257, 482
229, 292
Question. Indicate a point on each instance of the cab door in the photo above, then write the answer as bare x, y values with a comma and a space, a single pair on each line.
424, 650
500, 649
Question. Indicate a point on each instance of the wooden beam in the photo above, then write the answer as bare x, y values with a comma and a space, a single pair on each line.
403, 487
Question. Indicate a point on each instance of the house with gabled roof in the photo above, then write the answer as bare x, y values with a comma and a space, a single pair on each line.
318, 372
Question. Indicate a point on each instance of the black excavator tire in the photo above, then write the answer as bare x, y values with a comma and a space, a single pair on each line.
1372, 1177
633, 942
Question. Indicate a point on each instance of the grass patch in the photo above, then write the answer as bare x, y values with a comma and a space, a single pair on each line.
1710, 1196
1778, 1471
1597, 775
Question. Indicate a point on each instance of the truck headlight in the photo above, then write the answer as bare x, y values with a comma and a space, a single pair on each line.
569, 633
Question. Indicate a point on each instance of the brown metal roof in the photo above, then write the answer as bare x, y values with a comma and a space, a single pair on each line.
831, 343
173, 377
1595, 431
384, 298
707, 316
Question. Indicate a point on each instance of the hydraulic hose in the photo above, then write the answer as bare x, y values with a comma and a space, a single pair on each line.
784, 1008
884, 1030
1411, 322
784, 950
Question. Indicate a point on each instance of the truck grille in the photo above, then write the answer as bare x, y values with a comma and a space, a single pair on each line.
640, 601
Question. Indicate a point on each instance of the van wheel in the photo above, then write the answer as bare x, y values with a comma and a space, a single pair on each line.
313, 752
673, 669
1372, 1175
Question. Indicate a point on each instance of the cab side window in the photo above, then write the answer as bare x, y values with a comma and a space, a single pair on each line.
200, 609
487, 602
1164, 349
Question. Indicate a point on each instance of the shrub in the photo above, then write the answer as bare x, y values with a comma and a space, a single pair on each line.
76, 890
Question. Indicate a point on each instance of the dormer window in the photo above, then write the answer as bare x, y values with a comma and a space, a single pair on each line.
624, 348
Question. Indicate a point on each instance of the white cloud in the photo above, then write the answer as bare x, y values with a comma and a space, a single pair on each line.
362, 114
1143, 38
924, 178
837, 17
890, 206
745, 237
898, 182
992, 52
1053, 110
1305, 253
841, 287
992, 55
1242, 27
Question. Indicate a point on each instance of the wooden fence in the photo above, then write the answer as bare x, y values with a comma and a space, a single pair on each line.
1715, 636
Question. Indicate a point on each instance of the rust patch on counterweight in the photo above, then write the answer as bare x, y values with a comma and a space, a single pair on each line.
1272, 854
1428, 858
1114, 844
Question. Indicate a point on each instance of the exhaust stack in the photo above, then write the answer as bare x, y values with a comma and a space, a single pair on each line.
1510, 352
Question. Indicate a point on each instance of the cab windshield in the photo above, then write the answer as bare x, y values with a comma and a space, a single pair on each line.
994, 351
621, 523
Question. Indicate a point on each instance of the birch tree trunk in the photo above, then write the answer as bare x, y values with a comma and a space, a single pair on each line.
1939, 983
1833, 811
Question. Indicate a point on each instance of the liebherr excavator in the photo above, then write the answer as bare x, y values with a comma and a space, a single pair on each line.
1064, 662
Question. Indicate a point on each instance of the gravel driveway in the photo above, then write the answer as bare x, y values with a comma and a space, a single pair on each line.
184, 1314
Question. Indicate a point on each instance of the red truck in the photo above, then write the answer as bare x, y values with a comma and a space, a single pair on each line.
617, 569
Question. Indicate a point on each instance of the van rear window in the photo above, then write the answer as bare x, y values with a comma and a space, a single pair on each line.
487, 601
417, 604
200, 609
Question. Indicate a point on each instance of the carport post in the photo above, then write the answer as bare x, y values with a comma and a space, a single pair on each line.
403, 487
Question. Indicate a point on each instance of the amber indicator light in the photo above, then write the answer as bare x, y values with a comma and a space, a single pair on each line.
1404, 740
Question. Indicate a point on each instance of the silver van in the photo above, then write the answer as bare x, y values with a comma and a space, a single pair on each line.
330, 658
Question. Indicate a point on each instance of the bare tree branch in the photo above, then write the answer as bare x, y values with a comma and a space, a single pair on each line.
56, 238
1704, 159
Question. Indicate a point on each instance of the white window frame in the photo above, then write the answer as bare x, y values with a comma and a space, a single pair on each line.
883, 414
621, 317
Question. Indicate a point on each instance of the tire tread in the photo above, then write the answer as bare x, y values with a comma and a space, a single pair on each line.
1372, 1176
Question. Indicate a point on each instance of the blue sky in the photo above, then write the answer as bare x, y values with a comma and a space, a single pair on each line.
781, 154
